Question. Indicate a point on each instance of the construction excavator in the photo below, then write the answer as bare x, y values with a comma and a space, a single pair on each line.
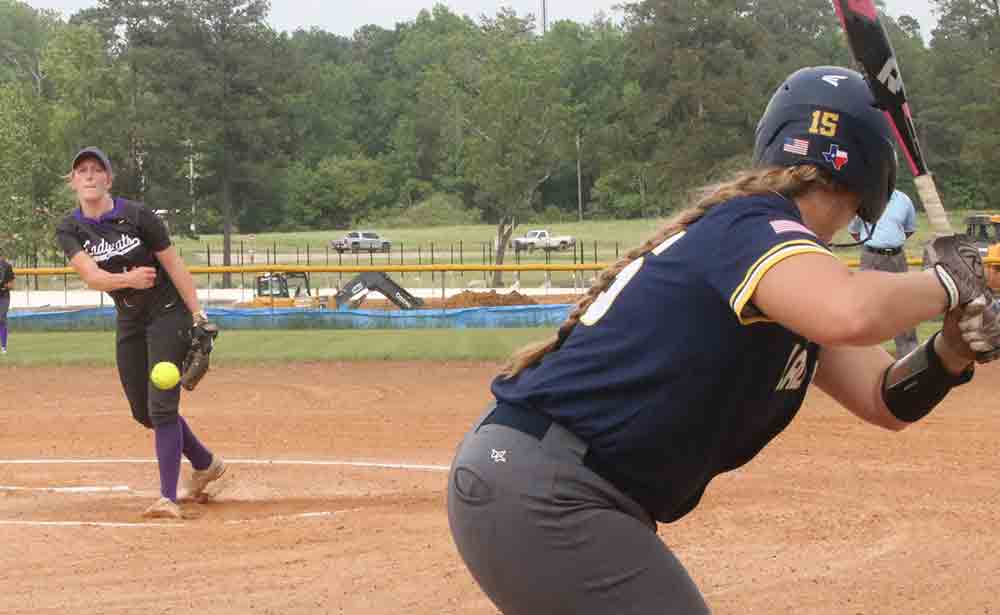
292, 290
285, 290
358, 287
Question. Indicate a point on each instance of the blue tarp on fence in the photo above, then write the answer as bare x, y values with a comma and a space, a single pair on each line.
97, 319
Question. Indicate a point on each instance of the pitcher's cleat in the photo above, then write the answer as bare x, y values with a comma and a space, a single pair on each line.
204, 485
163, 508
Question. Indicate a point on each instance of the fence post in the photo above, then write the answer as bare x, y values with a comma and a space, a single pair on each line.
243, 280
432, 261
208, 253
65, 283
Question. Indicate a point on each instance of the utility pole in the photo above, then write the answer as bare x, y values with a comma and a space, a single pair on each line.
579, 175
191, 179
545, 17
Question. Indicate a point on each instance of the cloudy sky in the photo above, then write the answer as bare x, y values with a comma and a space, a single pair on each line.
344, 16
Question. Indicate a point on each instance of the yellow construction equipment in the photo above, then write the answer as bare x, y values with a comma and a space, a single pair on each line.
984, 230
285, 290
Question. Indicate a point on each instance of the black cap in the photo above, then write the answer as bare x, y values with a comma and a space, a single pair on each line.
93, 152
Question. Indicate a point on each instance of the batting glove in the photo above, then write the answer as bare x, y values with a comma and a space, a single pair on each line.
980, 327
958, 266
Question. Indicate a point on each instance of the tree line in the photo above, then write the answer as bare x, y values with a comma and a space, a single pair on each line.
228, 125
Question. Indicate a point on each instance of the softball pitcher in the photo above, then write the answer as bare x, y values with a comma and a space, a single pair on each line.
692, 353
122, 248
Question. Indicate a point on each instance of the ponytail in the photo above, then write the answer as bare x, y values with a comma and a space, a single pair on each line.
785, 181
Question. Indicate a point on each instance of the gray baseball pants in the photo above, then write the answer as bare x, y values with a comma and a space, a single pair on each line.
542, 534
906, 342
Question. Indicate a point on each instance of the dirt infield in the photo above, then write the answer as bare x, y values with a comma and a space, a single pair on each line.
834, 518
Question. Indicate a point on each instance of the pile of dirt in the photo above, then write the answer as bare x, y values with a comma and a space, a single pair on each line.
492, 298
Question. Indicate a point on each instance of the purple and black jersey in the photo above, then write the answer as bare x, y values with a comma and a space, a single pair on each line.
672, 376
6, 275
126, 237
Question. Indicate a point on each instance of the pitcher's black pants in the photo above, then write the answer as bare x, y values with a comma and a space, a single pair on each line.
144, 338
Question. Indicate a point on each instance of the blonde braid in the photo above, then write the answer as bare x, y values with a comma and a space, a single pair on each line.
785, 181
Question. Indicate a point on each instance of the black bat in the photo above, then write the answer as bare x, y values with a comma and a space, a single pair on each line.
873, 51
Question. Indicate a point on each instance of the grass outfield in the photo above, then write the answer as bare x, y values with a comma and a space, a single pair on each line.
31, 349
628, 233
243, 346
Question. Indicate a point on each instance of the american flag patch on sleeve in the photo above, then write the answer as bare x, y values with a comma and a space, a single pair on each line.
790, 226
796, 146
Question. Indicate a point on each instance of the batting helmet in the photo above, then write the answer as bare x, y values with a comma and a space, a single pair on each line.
827, 116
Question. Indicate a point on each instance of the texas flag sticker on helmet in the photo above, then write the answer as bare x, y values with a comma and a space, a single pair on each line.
836, 156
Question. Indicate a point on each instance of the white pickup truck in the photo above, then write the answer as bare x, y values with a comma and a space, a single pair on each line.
361, 241
543, 240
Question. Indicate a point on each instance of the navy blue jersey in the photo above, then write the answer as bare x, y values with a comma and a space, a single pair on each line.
126, 237
672, 375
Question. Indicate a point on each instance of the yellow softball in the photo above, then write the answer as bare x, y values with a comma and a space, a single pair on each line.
165, 375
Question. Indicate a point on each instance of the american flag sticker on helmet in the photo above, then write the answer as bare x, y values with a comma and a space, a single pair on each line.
796, 146
790, 226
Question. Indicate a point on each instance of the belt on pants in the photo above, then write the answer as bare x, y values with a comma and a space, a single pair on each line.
537, 425
884, 251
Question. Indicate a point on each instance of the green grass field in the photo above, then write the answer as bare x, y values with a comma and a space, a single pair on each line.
256, 346
602, 242
31, 349
627, 233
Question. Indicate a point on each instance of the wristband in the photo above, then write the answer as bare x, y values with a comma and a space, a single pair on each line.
915, 384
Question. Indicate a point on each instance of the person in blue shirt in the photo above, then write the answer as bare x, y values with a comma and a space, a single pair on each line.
884, 250
691, 353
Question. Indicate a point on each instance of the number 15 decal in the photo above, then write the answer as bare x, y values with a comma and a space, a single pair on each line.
824, 123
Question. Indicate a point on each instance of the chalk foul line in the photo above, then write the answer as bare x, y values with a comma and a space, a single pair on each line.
258, 462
